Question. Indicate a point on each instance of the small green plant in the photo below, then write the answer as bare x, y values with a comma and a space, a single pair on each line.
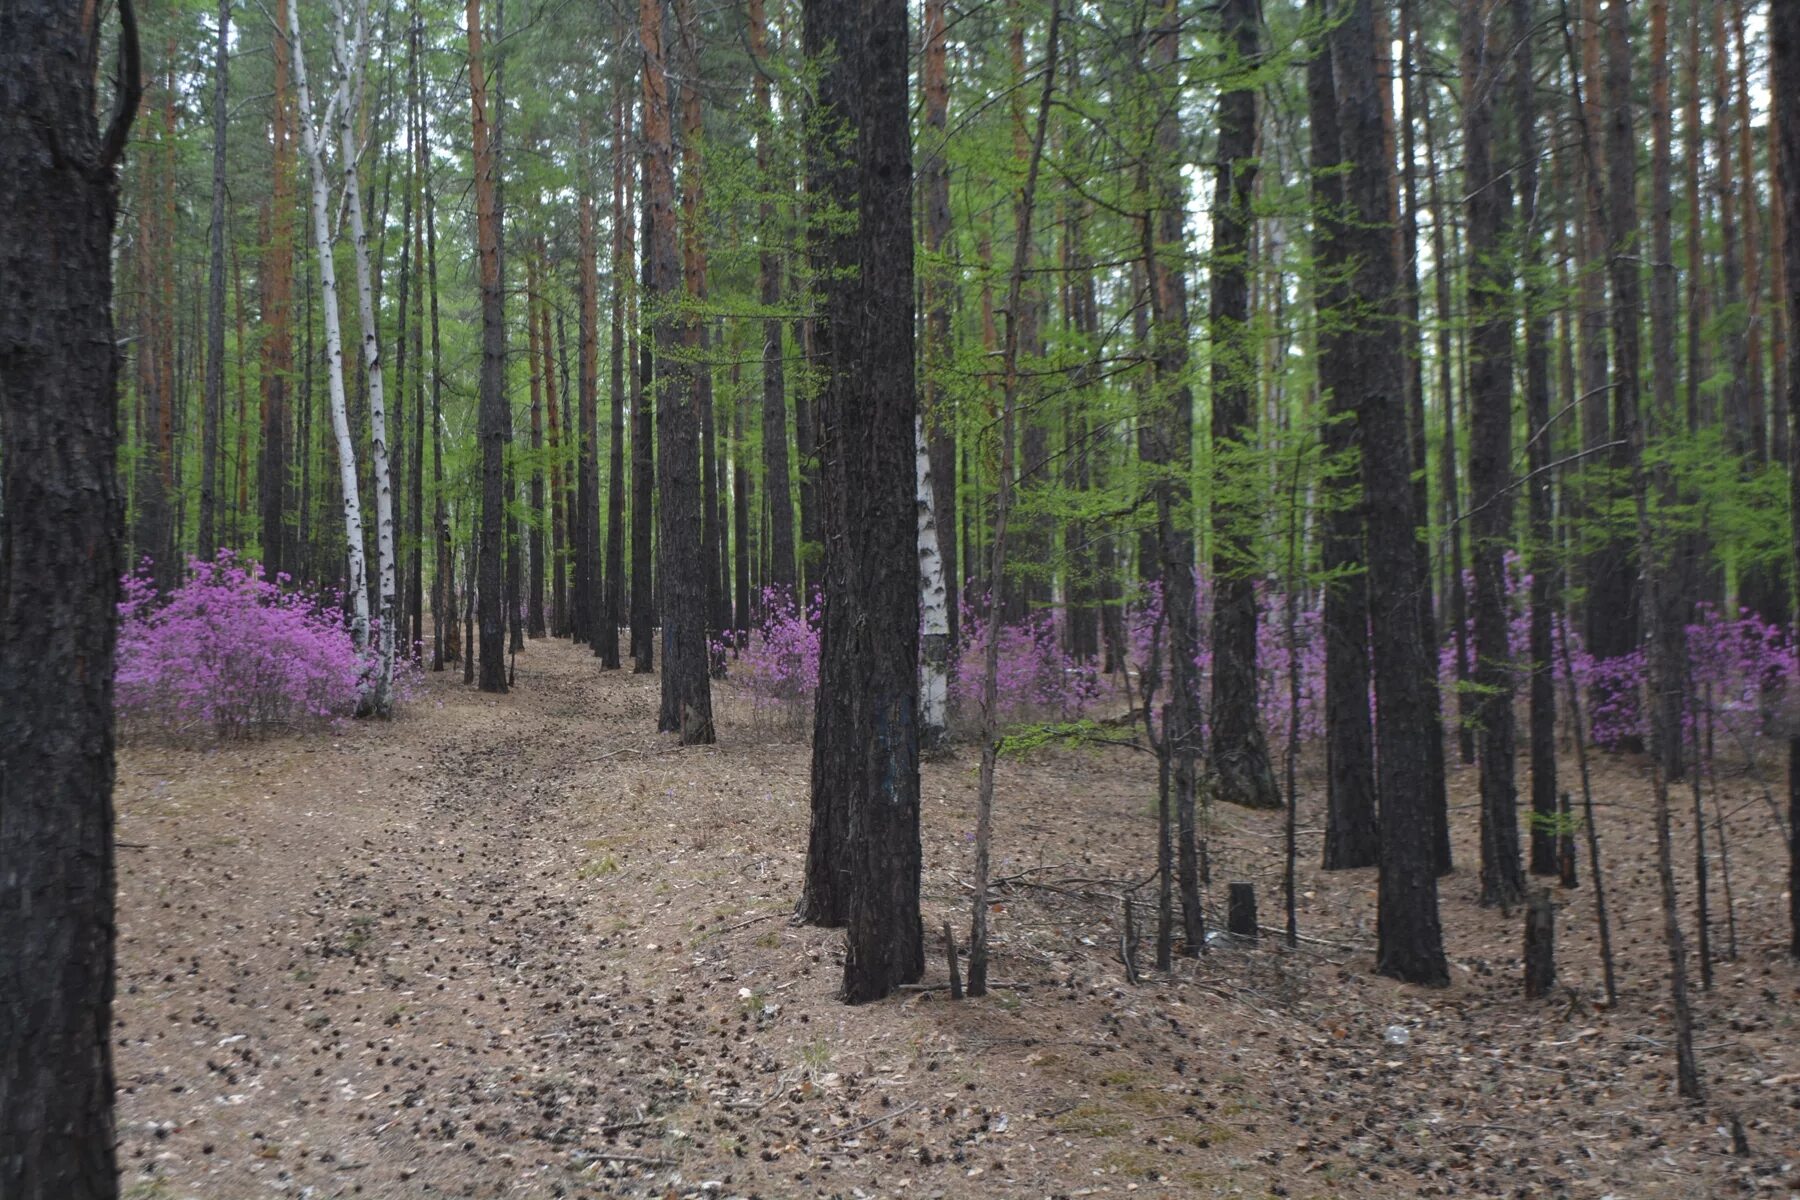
594, 868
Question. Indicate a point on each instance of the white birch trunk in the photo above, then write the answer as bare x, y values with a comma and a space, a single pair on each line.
351, 61
334, 341
934, 609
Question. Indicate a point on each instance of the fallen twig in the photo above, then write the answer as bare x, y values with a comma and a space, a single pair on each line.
887, 1116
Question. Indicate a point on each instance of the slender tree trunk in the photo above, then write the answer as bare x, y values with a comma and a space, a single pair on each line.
587, 503
612, 610
1541, 550
559, 549
352, 40
1240, 755
777, 486
443, 596
62, 529
534, 619
1167, 433
212, 417
940, 405
277, 346
356, 586
990, 680
1491, 318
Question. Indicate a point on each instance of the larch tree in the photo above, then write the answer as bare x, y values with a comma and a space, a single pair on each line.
61, 555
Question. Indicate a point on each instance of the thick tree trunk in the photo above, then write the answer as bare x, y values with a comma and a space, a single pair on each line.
61, 554
1351, 833
1784, 67
492, 416
643, 467
1240, 756
1491, 317
682, 565
1411, 940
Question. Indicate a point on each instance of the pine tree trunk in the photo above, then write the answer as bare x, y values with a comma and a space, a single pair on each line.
1351, 833
62, 527
682, 562
1410, 940
534, 612
1541, 549
1240, 756
1784, 67
491, 423
1491, 318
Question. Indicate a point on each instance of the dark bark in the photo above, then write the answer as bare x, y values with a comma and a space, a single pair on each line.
534, 610
1411, 940
612, 609
1540, 945
1541, 548
885, 946
1784, 66
1240, 756
492, 415
443, 584
213, 412
587, 503
1165, 444
681, 567
1351, 833
1491, 316
643, 469
61, 553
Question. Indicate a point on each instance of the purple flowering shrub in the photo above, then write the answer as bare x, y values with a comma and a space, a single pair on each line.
1739, 668
778, 666
1037, 678
230, 654
1143, 622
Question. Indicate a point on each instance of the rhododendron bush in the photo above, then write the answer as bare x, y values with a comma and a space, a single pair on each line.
230, 654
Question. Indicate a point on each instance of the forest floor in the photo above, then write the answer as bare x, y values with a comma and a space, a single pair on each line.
524, 946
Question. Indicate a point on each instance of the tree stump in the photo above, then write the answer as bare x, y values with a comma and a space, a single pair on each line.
1540, 945
1240, 912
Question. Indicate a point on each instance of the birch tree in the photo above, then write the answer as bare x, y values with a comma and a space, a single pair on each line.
313, 147
351, 45
934, 606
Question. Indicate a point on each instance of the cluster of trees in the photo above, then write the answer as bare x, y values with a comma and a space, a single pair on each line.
1456, 306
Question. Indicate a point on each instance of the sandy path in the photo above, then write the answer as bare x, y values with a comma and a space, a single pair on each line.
525, 947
